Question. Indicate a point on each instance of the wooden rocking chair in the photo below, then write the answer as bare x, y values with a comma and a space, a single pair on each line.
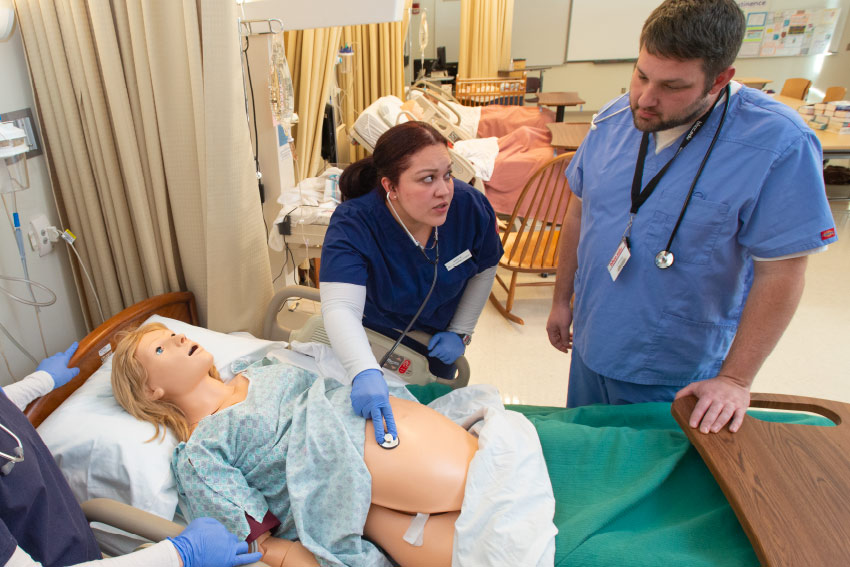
534, 229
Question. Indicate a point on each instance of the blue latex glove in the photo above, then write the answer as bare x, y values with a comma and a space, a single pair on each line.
57, 366
370, 398
207, 543
446, 347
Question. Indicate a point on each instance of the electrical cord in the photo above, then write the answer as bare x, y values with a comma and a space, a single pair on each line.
70, 241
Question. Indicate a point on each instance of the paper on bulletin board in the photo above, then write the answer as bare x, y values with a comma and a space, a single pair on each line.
789, 33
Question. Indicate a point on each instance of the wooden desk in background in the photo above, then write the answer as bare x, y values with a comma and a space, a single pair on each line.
568, 135
559, 100
753, 82
835, 146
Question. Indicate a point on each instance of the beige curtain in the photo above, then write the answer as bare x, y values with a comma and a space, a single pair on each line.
311, 55
485, 37
376, 70
142, 112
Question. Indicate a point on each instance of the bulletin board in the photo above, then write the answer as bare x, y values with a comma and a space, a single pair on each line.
788, 33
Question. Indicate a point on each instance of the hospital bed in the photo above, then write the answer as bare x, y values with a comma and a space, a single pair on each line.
465, 122
500, 166
387, 112
630, 489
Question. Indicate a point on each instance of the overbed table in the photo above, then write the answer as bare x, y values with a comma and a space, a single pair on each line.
568, 135
559, 100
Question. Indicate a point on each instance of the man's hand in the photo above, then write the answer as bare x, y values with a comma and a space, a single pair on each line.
719, 399
558, 327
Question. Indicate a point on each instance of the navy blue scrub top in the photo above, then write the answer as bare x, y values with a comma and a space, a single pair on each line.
38, 512
364, 245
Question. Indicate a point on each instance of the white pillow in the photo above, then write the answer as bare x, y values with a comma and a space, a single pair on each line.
101, 449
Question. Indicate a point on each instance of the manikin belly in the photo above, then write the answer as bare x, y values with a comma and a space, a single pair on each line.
426, 472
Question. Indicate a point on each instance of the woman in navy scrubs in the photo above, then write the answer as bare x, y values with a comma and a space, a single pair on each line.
403, 218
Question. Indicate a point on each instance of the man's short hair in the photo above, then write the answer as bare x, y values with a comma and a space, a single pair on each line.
709, 30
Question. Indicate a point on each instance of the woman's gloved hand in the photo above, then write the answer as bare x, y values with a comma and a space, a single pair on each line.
446, 347
57, 366
207, 543
370, 398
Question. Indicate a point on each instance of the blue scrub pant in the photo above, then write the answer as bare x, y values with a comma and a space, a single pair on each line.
587, 387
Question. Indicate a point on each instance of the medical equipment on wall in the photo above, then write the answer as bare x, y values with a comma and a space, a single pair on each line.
7, 19
11, 460
14, 175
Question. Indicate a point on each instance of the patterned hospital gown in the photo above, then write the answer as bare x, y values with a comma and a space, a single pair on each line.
293, 447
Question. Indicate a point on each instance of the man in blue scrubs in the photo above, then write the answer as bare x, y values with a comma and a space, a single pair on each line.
685, 275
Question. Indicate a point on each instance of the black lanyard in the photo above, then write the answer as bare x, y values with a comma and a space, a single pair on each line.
638, 196
664, 258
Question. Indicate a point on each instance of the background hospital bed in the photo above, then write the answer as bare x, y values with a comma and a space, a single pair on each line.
461, 168
629, 487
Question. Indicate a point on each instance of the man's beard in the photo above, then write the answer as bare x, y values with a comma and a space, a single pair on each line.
688, 116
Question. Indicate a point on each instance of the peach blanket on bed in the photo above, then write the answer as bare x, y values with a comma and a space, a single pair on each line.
521, 153
499, 120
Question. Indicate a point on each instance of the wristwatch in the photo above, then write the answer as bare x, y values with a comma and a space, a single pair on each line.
464, 338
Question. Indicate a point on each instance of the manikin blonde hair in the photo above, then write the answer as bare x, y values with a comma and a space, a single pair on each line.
129, 386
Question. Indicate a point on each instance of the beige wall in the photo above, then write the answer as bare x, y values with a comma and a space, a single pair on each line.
63, 321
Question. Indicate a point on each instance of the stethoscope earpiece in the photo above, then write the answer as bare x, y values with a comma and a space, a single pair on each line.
593, 119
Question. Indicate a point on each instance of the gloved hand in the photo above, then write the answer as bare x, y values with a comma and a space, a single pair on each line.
446, 346
207, 543
370, 398
57, 366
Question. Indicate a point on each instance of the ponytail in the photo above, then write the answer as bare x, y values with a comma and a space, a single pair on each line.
358, 179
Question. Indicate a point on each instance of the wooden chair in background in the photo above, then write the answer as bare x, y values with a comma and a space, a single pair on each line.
834, 93
796, 88
534, 230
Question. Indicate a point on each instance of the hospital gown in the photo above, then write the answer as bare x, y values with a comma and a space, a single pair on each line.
293, 447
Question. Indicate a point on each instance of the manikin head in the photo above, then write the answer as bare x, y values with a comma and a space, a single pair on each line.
152, 369
687, 48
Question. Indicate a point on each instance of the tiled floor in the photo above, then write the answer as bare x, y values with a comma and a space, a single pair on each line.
812, 358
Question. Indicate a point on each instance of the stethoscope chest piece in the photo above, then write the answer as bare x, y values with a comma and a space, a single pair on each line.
663, 260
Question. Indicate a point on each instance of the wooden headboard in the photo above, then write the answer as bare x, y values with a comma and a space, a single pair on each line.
178, 305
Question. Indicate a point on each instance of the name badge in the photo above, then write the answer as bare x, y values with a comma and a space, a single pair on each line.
619, 259
458, 260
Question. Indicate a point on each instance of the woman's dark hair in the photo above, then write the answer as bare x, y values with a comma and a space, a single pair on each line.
390, 158
709, 30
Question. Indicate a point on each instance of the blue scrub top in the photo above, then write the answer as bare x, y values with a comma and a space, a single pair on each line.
761, 194
364, 245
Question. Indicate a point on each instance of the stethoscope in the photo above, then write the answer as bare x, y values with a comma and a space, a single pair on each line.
594, 120
435, 262
18, 451
664, 259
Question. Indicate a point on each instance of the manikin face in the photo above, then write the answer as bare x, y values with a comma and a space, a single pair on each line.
665, 93
425, 190
174, 364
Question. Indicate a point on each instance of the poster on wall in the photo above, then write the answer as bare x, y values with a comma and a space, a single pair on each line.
786, 33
